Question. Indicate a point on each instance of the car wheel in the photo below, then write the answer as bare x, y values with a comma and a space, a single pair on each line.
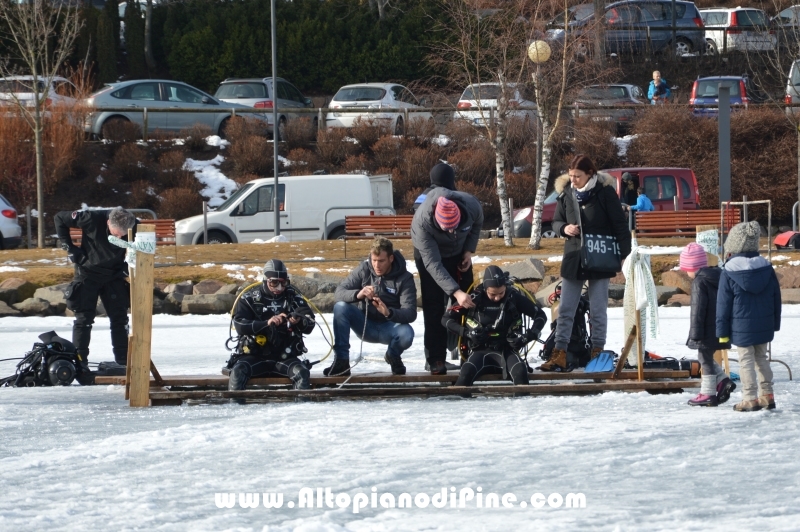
112, 128
711, 47
547, 232
336, 234
398, 126
218, 237
223, 128
682, 46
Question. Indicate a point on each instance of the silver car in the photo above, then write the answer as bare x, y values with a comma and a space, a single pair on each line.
258, 93
478, 103
10, 231
154, 94
366, 101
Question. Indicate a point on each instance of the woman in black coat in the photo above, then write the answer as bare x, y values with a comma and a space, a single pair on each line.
592, 195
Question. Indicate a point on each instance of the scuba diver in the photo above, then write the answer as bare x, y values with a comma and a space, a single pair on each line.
493, 330
271, 321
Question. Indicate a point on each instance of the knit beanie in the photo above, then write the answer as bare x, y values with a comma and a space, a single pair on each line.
493, 277
442, 175
447, 214
743, 238
693, 257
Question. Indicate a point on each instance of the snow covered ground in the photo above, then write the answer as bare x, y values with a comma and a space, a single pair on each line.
80, 459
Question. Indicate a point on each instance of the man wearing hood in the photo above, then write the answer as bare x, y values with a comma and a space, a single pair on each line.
384, 288
749, 313
442, 175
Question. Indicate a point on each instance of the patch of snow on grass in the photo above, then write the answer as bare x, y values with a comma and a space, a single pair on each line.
208, 265
314, 258
217, 141
481, 260
233, 267
11, 269
556, 258
622, 144
218, 186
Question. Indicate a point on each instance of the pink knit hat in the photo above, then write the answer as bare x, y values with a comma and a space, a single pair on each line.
693, 257
447, 214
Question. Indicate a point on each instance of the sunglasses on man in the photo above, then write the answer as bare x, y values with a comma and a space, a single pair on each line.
277, 282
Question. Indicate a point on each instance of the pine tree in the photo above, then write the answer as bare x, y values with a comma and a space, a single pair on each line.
106, 50
134, 41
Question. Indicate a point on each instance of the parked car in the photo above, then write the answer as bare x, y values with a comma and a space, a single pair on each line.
373, 97
665, 187
741, 29
155, 94
793, 89
258, 93
786, 25
479, 101
10, 231
624, 33
62, 92
705, 91
604, 95
309, 206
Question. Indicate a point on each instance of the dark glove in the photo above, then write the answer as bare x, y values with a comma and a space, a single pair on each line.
517, 341
477, 335
75, 255
533, 334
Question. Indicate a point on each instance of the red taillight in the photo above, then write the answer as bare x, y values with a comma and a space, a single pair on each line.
693, 98
743, 90
514, 104
266, 104
698, 22
9, 213
733, 30
787, 99
464, 105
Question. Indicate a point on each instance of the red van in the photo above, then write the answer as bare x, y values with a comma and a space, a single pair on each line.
665, 187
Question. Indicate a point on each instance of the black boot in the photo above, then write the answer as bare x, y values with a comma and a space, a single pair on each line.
239, 376
438, 367
398, 368
339, 368
300, 375
84, 376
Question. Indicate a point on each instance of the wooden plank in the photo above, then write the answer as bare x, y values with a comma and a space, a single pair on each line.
331, 393
142, 314
131, 279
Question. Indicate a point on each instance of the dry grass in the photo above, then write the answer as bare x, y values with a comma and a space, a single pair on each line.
196, 137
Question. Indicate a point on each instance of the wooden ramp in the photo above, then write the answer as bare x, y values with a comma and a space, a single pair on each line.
175, 389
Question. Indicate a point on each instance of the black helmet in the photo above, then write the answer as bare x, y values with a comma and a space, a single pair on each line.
275, 269
494, 277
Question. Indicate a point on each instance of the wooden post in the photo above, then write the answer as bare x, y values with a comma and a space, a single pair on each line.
131, 275
142, 325
639, 347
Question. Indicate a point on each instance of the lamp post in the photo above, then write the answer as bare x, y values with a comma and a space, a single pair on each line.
540, 52
275, 129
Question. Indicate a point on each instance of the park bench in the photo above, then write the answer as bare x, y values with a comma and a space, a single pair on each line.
165, 233
362, 227
683, 223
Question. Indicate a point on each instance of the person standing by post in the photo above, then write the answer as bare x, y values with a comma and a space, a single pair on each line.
100, 271
444, 233
658, 91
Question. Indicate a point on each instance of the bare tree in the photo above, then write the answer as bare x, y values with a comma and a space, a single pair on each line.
40, 36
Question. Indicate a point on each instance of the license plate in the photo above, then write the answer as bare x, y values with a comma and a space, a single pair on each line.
601, 118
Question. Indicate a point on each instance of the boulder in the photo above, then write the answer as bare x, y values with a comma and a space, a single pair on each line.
790, 296
544, 293
207, 304
324, 302
173, 303
664, 293
184, 287
208, 286
529, 269
24, 288
531, 286
228, 289
680, 300
419, 292
788, 277
677, 279
54, 294
618, 279
616, 291
9, 296
321, 277
158, 293
34, 306
327, 288
6, 310
307, 286
159, 306
613, 303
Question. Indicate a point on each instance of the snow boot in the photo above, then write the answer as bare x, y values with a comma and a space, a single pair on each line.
300, 375
704, 400
111, 368
448, 365
595, 351
747, 406
438, 367
767, 401
557, 362
84, 375
339, 368
398, 368
239, 376
724, 389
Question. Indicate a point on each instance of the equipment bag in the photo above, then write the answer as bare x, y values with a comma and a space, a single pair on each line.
53, 362
579, 349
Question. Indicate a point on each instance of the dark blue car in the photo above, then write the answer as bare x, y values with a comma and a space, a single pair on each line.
627, 24
706, 92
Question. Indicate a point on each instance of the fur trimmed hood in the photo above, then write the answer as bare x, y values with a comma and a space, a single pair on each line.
603, 178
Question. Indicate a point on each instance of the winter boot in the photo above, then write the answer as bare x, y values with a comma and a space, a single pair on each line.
724, 389
84, 376
300, 375
557, 362
767, 401
747, 406
704, 400
339, 368
448, 365
438, 367
396, 363
239, 376
595, 352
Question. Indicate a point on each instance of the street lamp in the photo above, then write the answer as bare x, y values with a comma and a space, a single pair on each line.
275, 129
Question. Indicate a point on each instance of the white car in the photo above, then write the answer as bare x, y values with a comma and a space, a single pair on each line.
10, 231
737, 29
479, 103
61, 93
367, 100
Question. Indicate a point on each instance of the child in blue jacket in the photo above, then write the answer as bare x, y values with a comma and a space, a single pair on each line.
749, 313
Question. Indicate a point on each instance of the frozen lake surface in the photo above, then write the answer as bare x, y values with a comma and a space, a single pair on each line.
79, 459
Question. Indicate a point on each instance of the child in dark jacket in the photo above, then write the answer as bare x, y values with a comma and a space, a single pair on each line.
715, 385
749, 313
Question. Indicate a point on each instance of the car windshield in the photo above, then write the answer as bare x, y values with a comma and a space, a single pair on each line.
228, 91
19, 85
551, 198
576, 14
710, 88
235, 197
481, 92
359, 94
751, 18
796, 74
603, 93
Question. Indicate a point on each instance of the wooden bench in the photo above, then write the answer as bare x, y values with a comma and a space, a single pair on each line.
682, 223
391, 226
165, 234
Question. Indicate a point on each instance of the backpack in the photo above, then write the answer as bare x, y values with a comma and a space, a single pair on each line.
579, 349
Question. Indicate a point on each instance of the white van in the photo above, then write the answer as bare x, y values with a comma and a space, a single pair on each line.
312, 206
